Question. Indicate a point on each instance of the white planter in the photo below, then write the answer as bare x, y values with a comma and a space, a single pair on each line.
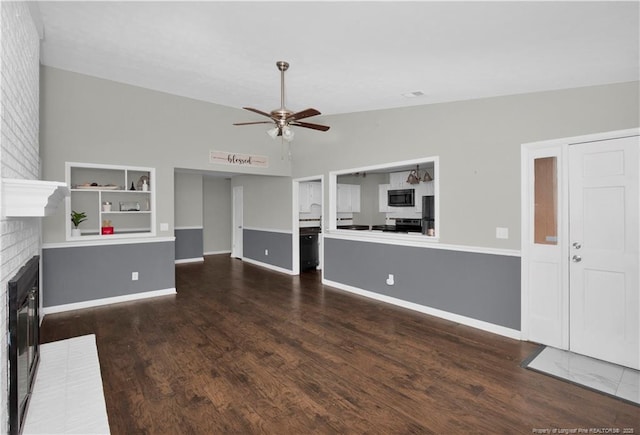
75, 232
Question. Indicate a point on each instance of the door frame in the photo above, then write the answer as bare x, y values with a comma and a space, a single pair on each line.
560, 149
235, 251
295, 223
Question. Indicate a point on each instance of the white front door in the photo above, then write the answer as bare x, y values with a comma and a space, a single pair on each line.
237, 219
604, 190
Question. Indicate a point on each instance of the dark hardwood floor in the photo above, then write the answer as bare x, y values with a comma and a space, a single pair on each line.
241, 349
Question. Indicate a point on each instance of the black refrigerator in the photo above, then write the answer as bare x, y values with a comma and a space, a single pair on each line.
428, 213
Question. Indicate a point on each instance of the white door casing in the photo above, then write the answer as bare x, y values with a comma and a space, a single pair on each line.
237, 222
604, 246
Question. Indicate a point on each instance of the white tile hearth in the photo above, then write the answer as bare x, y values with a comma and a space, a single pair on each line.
67, 396
598, 375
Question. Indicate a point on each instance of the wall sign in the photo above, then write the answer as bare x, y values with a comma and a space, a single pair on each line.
227, 158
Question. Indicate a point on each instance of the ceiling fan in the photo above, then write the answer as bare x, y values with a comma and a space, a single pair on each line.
284, 118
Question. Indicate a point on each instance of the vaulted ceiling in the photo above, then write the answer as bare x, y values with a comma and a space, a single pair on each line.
345, 56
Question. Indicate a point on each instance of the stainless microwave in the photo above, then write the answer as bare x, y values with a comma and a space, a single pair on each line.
401, 198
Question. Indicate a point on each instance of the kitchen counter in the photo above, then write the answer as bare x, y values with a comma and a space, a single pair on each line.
383, 227
353, 227
309, 231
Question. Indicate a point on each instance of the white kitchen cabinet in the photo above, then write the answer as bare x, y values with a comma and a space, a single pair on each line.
348, 200
355, 198
398, 180
304, 198
309, 193
120, 197
383, 200
344, 198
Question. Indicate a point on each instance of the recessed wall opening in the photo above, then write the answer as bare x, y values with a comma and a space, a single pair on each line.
398, 197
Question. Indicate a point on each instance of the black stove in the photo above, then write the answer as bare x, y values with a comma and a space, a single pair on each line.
403, 225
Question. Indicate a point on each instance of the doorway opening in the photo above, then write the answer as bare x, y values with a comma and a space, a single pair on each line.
307, 224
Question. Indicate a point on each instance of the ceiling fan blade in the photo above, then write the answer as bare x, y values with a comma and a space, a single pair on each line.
259, 112
255, 122
310, 125
303, 114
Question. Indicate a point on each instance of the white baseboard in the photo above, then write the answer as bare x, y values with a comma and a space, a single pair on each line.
107, 301
468, 321
190, 260
268, 266
216, 252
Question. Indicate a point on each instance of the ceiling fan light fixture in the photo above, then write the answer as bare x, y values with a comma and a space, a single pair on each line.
287, 133
273, 132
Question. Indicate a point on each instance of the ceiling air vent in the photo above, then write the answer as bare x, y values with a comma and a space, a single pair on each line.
413, 94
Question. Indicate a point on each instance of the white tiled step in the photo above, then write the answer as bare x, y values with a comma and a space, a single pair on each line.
596, 374
67, 396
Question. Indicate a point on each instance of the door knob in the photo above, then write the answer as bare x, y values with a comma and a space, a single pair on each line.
577, 245
576, 258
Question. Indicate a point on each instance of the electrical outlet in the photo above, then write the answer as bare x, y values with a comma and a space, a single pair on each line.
266, 252
134, 276
390, 279
164, 226
502, 233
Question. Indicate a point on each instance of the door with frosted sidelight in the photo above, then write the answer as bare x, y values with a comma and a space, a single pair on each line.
604, 243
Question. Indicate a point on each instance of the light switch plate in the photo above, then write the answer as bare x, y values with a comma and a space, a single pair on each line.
502, 233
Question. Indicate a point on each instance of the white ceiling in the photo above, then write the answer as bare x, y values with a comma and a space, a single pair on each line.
345, 56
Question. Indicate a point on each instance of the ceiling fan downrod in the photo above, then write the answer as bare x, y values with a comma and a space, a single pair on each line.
281, 113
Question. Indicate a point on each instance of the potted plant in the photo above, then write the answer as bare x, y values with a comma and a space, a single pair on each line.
77, 219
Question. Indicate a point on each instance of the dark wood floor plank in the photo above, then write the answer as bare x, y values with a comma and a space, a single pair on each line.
241, 349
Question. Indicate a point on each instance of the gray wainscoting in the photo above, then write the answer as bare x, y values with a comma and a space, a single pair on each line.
278, 244
480, 286
189, 243
86, 273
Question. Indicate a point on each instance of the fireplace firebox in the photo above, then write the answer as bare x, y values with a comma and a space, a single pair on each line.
24, 335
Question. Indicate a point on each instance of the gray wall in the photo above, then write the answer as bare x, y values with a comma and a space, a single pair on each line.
217, 214
478, 143
480, 286
267, 201
80, 274
91, 120
188, 243
188, 199
278, 244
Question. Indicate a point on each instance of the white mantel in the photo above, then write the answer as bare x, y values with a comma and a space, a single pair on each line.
31, 198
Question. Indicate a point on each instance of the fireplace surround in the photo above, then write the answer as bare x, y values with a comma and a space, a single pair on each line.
24, 331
